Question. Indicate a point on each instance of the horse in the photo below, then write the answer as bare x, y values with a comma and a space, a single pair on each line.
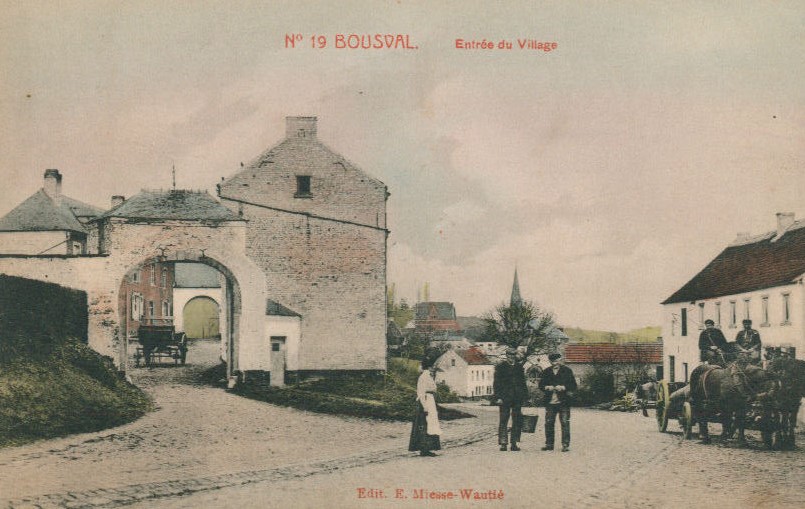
727, 392
791, 373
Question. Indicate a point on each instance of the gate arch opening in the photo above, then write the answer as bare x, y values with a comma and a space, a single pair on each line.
201, 318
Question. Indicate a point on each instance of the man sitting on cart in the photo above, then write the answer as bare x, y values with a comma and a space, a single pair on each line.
712, 344
748, 342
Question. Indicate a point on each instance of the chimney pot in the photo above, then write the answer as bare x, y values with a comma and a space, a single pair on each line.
300, 127
117, 200
784, 222
52, 184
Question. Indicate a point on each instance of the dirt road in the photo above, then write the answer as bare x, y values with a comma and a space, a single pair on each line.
207, 448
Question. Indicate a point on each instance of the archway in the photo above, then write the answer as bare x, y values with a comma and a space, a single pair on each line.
201, 318
146, 298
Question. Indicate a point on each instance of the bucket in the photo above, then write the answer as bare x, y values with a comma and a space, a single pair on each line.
530, 423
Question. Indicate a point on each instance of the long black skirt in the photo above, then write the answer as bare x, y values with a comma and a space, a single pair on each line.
420, 440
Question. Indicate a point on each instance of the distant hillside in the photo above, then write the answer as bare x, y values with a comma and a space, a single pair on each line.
643, 335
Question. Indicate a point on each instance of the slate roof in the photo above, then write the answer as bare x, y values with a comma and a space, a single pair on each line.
435, 311
177, 204
764, 262
274, 308
474, 356
195, 275
648, 353
40, 212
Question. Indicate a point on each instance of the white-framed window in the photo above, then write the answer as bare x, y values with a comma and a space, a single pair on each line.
165, 308
151, 308
135, 276
747, 314
701, 315
153, 274
786, 309
136, 306
164, 281
764, 310
718, 314
733, 313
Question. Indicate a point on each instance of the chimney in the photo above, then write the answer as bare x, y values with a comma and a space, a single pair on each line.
53, 184
300, 127
784, 222
117, 200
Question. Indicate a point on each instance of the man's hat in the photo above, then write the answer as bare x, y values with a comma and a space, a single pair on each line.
747, 321
709, 322
554, 356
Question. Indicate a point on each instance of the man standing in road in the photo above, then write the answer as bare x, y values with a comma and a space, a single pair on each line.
712, 344
748, 341
510, 390
559, 385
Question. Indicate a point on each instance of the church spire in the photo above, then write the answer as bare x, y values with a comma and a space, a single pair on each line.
516, 299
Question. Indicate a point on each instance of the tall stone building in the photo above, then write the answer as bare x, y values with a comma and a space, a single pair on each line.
317, 229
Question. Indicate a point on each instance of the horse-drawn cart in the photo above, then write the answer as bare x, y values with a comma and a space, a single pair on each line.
160, 343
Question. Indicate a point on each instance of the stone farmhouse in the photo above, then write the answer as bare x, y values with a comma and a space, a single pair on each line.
298, 236
756, 277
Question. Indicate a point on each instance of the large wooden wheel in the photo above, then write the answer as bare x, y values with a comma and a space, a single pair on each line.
662, 406
687, 420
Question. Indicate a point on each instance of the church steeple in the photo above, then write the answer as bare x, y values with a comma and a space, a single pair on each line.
516, 299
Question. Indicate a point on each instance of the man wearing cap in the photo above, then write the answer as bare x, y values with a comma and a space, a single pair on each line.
748, 341
559, 385
712, 343
510, 389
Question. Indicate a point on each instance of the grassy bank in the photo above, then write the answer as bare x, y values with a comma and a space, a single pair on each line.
389, 397
72, 389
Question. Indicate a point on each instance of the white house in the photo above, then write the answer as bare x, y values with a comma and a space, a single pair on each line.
468, 372
759, 278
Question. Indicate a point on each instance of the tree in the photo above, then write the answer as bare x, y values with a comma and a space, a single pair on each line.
522, 324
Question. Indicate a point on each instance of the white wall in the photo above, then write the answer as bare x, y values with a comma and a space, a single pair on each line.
33, 243
291, 328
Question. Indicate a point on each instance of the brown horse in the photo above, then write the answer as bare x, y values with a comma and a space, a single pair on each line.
727, 393
791, 373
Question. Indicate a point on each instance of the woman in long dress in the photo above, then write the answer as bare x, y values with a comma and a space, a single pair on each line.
426, 430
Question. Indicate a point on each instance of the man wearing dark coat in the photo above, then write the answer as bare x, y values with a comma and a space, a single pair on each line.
748, 341
510, 390
559, 385
712, 344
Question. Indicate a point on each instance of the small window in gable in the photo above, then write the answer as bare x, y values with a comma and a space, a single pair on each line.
302, 186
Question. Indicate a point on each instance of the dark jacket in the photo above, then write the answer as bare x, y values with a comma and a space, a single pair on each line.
712, 337
509, 384
563, 377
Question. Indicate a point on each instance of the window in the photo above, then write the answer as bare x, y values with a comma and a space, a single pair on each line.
746, 309
764, 309
733, 313
165, 308
786, 309
135, 277
718, 314
151, 308
701, 315
136, 306
684, 321
153, 275
164, 278
302, 186
452, 362
685, 371
671, 368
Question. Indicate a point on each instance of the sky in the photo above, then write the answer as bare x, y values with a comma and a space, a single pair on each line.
609, 171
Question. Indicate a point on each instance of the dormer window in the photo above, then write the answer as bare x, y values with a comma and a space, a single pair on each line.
302, 186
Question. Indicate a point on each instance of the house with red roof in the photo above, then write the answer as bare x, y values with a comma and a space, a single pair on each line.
759, 278
468, 372
625, 359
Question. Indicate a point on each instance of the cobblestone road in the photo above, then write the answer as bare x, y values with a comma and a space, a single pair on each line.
207, 448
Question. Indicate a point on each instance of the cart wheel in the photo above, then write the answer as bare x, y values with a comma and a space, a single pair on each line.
687, 420
662, 406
